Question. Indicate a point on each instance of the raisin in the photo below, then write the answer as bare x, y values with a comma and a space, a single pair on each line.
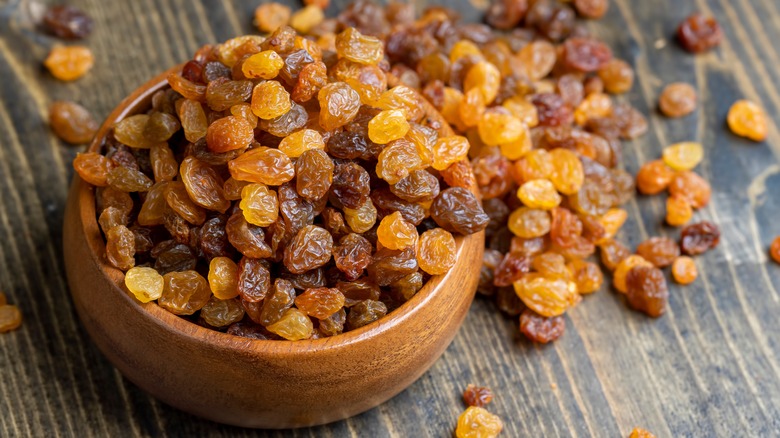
692, 187
513, 266
638, 432
254, 279
223, 278
678, 99
395, 232
145, 284
622, 269
678, 210
541, 329
586, 275
748, 120
591, 8
436, 251
264, 166
10, 318
660, 251
281, 298
684, 270
293, 325
389, 266
67, 22
477, 422
552, 110
528, 222
72, 122
222, 313
458, 210
271, 16
339, 104
585, 54
612, 253
364, 313
311, 248
352, 255
546, 296
477, 396
647, 291
184, 293
698, 33
68, 63
93, 168
320, 302
506, 14
699, 238
654, 177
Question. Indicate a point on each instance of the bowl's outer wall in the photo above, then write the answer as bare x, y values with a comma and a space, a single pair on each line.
243, 382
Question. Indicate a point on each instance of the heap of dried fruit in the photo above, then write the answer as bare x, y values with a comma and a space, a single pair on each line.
281, 189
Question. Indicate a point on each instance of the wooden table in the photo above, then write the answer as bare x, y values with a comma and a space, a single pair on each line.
709, 367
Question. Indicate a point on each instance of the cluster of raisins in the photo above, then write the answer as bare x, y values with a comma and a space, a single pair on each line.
281, 188
10, 316
476, 421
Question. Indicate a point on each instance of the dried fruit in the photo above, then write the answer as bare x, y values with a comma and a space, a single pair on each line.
271, 16
539, 193
678, 99
294, 325
699, 238
541, 329
270, 100
653, 177
698, 33
622, 268
436, 251
395, 232
184, 293
692, 187
72, 122
684, 270
68, 63
67, 22
646, 290
321, 302
477, 422
660, 251
678, 211
478, 396
10, 318
223, 278
748, 120
546, 296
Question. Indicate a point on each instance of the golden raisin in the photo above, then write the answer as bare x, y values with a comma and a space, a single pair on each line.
271, 16
496, 128
387, 126
684, 270
259, 204
448, 150
68, 63
294, 325
678, 211
263, 65
304, 20
683, 156
653, 177
270, 100
476, 422
539, 193
72, 122
617, 75
436, 251
748, 120
395, 232
546, 296
295, 144
612, 221
528, 222
146, 284
567, 172
619, 276
356, 47
223, 278
691, 186
586, 275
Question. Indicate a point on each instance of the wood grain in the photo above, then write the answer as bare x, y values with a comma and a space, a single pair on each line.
710, 367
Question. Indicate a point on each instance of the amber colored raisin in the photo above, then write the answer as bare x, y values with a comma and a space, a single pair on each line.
223, 278
647, 291
678, 210
683, 156
93, 168
184, 293
528, 222
691, 186
612, 253
10, 318
622, 269
436, 251
585, 54
271, 16
638, 432
263, 65
478, 422
541, 329
270, 100
311, 248
539, 193
120, 247
395, 232
684, 270
660, 251
320, 302
699, 238
203, 185
72, 122
586, 275
67, 22
222, 313
477, 395
774, 249
653, 177
748, 120
179, 201
68, 63
193, 120
229, 133
698, 33
339, 104
259, 205
546, 296
678, 99
262, 165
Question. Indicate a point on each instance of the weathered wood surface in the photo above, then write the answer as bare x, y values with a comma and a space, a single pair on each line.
710, 367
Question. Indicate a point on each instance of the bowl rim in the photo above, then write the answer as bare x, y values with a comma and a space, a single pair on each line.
139, 100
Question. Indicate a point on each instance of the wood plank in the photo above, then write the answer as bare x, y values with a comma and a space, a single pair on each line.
711, 367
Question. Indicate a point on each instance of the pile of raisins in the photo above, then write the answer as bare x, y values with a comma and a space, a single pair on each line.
283, 188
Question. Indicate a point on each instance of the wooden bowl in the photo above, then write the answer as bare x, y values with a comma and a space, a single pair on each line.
256, 383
